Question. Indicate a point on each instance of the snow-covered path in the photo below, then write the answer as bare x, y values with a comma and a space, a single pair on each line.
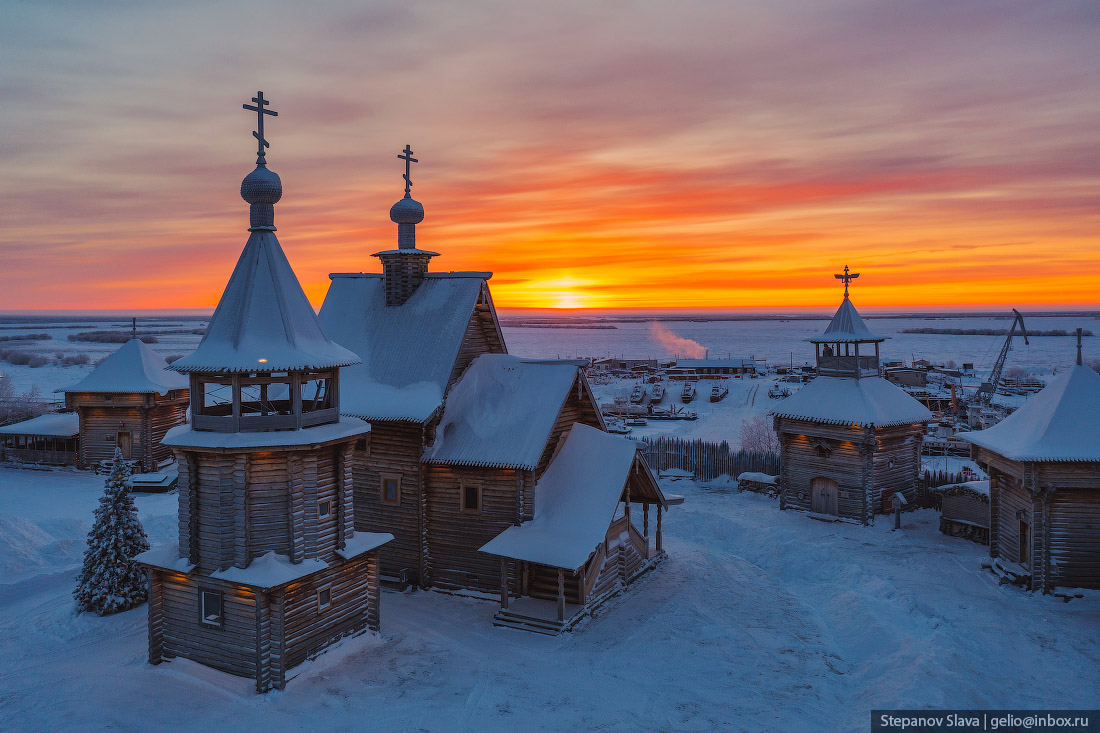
759, 620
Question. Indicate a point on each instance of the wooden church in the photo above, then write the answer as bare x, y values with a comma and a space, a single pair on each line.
269, 568
849, 440
1043, 463
129, 401
461, 432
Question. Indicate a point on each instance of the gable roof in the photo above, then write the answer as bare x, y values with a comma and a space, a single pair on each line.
264, 321
134, 368
847, 326
501, 412
408, 352
575, 501
1060, 423
871, 401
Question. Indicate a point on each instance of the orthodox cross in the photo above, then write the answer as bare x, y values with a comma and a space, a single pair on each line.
409, 160
847, 278
259, 133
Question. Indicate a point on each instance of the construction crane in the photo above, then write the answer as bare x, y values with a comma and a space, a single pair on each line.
987, 389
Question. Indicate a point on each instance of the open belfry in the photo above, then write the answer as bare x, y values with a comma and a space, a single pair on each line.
849, 440
269, 568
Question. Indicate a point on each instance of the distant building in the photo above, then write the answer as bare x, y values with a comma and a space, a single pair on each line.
1043, 462
616, 364
849, 439
710, 368
51, 439
906, 376
130, 401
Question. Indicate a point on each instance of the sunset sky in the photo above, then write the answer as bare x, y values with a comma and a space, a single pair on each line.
687, 154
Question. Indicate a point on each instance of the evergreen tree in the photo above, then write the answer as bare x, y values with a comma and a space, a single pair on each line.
110, 580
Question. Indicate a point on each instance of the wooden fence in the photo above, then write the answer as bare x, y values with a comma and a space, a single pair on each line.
706, 460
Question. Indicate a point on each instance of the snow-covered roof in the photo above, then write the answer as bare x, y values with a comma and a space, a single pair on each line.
501, 412
715, 363
846, 326
407, 351
850, 401
182, 436
52, 425
978, 487
134, 368
1060, 423
166, 556
760, 478
575, 501
264, 321
361, 542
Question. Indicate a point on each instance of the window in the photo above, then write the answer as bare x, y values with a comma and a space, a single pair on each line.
215, 396
211, 611
471, 497
317, 392
324, 508
324, 598
391, 489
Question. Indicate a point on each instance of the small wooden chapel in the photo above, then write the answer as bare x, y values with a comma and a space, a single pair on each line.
849, 440
1044, 484
269, 568
129, 401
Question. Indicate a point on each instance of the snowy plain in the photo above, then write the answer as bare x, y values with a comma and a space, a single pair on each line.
758, 620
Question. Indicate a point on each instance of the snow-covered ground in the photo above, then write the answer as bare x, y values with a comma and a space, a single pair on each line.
758, 620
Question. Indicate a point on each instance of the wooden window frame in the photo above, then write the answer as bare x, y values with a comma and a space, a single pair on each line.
396, 477
326, 506
462, 487
203, 621
324, 606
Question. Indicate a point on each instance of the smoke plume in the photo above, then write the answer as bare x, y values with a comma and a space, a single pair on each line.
676, 344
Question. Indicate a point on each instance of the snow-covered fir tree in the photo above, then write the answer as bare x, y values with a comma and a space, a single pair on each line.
110, 581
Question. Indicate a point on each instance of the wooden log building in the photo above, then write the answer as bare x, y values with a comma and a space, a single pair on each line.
964, 510
581, 545
50, 439
1043, 463
129, 401
849, 439
268, 569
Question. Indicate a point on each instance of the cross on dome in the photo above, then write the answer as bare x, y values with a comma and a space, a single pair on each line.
259, 132
406, 156
847, 278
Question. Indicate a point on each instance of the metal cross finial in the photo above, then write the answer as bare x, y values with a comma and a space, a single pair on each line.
847, 278
409, 160
259, 133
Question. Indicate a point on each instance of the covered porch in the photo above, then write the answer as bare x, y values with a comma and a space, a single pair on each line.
47, 439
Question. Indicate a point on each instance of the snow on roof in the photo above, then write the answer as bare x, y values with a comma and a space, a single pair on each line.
52, 425
136, 368
760, 478
166, 556
501, 412
264, 321
362, 542
703, 363
183, 436
575, 501
978, 487
1060, 423
408, 351
846, 326
871, 401
271, 570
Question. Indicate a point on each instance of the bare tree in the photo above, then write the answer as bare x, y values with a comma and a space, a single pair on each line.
758, 434
15, 407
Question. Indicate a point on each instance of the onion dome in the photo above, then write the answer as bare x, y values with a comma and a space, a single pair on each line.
407, 211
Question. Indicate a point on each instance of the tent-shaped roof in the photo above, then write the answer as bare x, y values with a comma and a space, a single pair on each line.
264, 321
871, 401
409, 351
1060, 423
53, 425
846, 326
134, 368
501, 412
575, 501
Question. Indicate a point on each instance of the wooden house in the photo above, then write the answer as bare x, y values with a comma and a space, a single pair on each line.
129, 401
500, 427
848, 439
581, 545
1043, 463
964, 510
415, 332
269, 568
51, 439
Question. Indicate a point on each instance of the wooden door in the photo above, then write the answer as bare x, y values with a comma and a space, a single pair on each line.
126, 444
1025, 544
823, 496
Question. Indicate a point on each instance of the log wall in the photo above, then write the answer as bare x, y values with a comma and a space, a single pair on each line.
395, 449
146, 417
579, 407
231, 649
